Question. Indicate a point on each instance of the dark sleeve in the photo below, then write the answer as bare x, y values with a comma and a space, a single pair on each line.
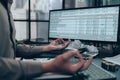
17, 70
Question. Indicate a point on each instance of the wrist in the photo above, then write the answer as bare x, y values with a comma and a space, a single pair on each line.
46, 48
47, 67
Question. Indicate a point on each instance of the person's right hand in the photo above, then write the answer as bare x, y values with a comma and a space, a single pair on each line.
61, 63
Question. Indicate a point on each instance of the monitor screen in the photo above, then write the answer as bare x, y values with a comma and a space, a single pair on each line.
88, 24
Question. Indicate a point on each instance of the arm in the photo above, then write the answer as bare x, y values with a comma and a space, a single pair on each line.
27, 50
17, 70
24, 50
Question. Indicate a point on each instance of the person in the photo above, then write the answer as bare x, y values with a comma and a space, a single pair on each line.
11, 69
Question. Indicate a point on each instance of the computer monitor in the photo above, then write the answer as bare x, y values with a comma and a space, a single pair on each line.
86, 24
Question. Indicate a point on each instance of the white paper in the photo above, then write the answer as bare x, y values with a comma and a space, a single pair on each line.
115, 59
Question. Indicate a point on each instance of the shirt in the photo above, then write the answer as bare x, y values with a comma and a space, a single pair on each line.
11, 69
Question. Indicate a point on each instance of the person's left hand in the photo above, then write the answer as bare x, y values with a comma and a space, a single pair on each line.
57, 44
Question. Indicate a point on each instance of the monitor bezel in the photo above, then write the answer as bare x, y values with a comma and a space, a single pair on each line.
96, 41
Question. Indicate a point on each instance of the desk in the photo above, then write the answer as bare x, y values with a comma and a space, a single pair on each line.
98, 62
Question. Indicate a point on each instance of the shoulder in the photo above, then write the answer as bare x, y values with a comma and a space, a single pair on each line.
2, 10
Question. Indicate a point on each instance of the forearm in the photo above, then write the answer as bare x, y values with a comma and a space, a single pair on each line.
18, 70
27, 50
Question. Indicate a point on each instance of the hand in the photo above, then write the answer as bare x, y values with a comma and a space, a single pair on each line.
54, 45
61, 63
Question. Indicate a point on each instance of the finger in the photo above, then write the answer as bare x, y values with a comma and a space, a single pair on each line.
57, 41
78, 66
69, 54
68, 42
62, 41
79, 56
72, 53
87, 63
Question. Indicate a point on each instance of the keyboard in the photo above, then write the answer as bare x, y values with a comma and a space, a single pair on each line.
95, 72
